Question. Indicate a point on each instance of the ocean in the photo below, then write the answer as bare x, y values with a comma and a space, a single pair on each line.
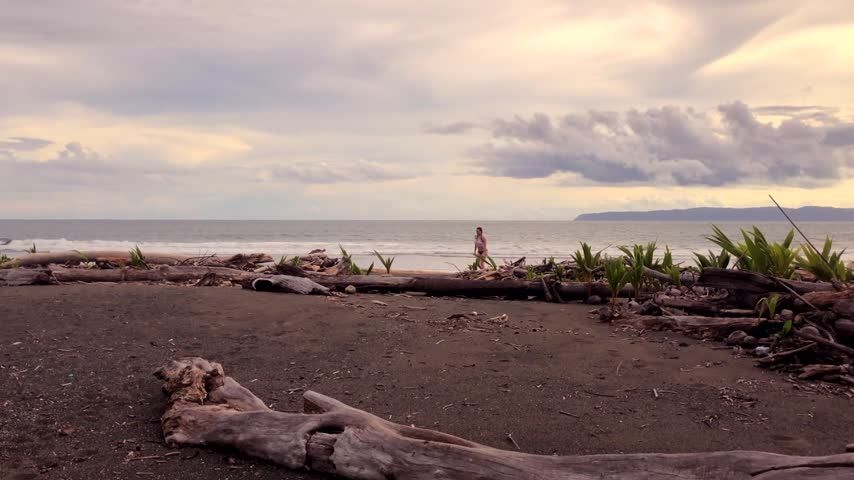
429, 245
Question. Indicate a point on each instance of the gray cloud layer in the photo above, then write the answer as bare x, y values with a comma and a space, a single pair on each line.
670, 145
454, 128
356, 171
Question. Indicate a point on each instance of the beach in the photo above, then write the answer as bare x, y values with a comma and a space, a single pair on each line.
80, 401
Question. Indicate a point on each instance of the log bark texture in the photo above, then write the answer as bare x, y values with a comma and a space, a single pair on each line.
841, 303
460, 286
14, 277
719, 326
430, 284
751, 282
206, 407
289, 284
160, 274
123, 258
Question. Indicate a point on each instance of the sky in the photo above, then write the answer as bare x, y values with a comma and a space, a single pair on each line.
387, 109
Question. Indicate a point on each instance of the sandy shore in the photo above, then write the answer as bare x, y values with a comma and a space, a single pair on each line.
78, 396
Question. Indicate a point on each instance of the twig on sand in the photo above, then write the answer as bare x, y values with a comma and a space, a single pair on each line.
618, 368
655, 392
597, 394
568, 414
510, 437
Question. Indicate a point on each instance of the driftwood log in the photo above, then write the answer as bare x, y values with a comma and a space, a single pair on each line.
706, 306
15, 277
163, 273
365, 283
751, 282
716, 326
841, 302
206, 407
123, 258
289, 284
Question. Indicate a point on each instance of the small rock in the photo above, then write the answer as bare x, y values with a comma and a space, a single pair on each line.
762, 351
787, 315
674, 292
810, 330
749, 341
736, 337
634, 306
350, 290
594, 300
605, 313
650, 308
699, 290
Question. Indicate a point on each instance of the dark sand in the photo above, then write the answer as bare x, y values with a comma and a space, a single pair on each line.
78, 397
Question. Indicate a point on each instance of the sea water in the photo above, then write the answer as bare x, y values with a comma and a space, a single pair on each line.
429, 245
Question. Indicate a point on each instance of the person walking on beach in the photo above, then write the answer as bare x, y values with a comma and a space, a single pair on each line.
480, 248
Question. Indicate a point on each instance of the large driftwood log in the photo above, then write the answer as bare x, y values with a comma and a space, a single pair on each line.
460, 286
289, 284
841, 302
751, 282
123, 258
206, 407
431, 284
707, 306
718, 326
14, 277
163, 273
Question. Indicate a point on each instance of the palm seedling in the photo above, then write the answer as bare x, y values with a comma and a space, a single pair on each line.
644, 255
385, 261
587, 263
756, 254
720, 260
826, 265
639, 258
617, 276
137, 258
768, 305
675, 274
31, 249
560, 272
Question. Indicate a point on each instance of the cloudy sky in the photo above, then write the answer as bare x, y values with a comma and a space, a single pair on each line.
477, 109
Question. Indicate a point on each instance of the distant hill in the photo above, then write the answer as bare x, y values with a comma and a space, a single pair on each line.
710, 214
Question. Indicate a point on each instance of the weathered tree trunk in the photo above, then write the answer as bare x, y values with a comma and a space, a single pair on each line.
159, 274
430, 285
208, 408
289, 284
14, 277
752, 282
841, 303
708, 306
459, 286
123, 258
718, 326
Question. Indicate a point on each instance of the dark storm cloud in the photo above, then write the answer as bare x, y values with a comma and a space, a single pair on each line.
455, 128
668, 145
